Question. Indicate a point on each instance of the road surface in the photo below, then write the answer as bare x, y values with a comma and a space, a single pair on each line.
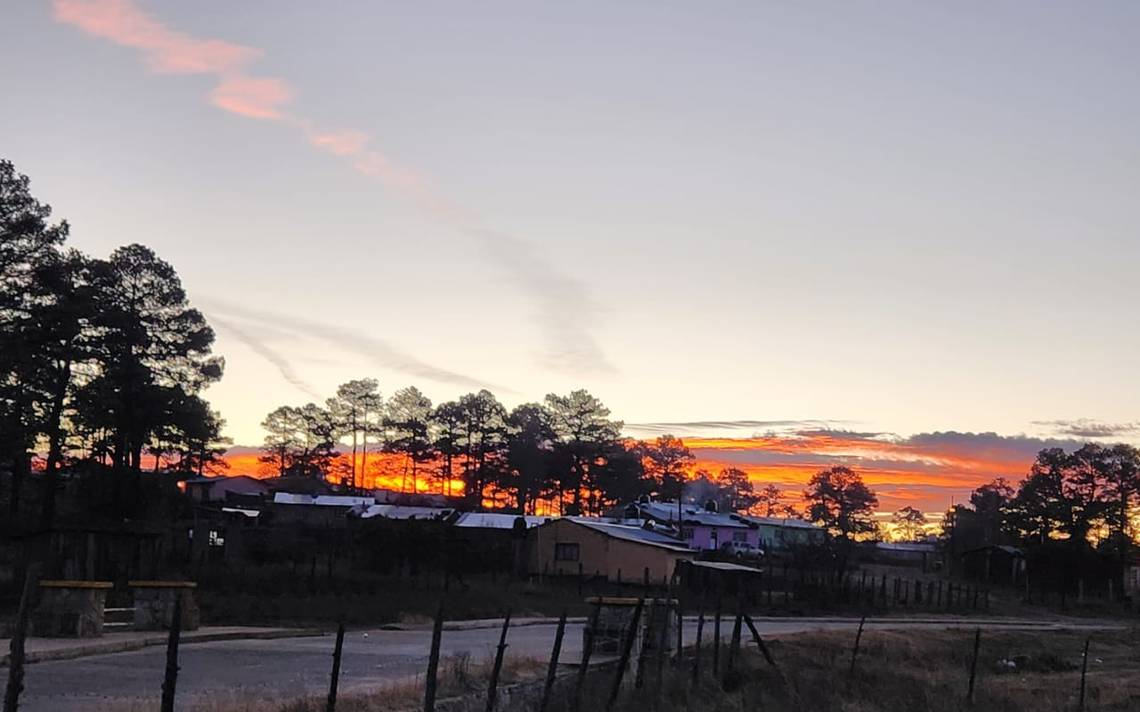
292, 667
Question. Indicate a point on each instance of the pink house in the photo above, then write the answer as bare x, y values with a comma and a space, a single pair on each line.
700, 528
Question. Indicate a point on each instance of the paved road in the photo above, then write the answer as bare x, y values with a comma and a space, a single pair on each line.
292, 667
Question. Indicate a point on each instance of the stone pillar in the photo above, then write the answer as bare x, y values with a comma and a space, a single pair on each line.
70, 609
154, 604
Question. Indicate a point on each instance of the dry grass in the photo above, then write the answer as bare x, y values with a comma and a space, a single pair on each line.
458, 677
908, 671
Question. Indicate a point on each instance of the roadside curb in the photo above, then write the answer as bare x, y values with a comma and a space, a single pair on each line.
124, 646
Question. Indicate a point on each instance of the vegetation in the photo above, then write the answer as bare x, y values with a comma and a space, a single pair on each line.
102, 361
1073, 515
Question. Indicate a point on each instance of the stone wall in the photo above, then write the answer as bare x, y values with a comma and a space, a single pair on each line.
154, 607
70, 611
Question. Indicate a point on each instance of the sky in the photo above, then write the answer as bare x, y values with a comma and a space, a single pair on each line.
914, 222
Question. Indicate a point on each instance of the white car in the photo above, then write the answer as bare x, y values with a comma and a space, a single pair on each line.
739, 548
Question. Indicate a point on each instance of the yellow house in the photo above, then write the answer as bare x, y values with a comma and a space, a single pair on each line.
617, 552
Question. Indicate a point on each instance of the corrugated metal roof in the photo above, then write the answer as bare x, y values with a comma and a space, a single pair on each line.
690, 514
788, 522
398, 511
496, 520
634, 534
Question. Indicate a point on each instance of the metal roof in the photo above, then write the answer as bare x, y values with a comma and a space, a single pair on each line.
629, 533
788, 522
496, 520
690, 514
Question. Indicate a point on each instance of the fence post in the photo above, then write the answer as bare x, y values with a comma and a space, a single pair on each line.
626, 649
170, 680
855, 650
883, 590
1084, 669
697, 645
493, 685
643, 651
552, 669
974, 665
680, 632
716, 636
939, 603
587, 650
334, 678
430, 680
19, 634
759, 641
734, 645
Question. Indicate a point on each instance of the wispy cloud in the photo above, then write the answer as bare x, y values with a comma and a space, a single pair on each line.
1088, 428
564, 309
260, 347
168, 51
375, 350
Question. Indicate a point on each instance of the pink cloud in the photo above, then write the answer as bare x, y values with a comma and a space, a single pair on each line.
168, 51
340, 143
254, 97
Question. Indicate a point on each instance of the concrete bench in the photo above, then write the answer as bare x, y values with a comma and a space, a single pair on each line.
70, 609
154, 604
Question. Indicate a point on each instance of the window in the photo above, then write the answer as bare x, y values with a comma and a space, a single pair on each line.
565, 552
740, 536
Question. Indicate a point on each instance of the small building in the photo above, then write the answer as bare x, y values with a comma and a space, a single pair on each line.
780, 534
916, 554
994, 563
219, 489
720, 576
700, 528
615, 552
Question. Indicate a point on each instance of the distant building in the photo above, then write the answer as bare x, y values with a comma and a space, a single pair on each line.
218, 489
700, 528
784, 533
917, 554
994, 564
497, 520
611, 551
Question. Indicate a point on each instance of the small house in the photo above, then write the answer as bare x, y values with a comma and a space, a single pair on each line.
220, 489
994, 564
780, 534
701, 528
592, 547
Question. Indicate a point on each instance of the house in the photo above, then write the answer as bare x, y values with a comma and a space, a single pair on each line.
701, 528
917, 554
616, 552
994, 564
219, 489
778, 534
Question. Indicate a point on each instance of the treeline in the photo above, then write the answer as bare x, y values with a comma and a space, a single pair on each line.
565, 452
102, 360
1073, 509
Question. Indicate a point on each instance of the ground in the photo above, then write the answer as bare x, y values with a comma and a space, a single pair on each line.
266, 675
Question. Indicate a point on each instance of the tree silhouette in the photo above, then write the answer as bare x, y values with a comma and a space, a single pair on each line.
838, 499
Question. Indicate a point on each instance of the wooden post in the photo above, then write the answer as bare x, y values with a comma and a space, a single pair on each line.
170, 680
917, 592
939, 603
855, 650
974, 665
19, 634
716, 636
430, 681
334, 678
552, 668
662, 643
643, 652
626, 649
697, 645
493, 685
587, 651
883, 590
1084, 669
579, 578
734, 645
645, 577
680, 633
759, 641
